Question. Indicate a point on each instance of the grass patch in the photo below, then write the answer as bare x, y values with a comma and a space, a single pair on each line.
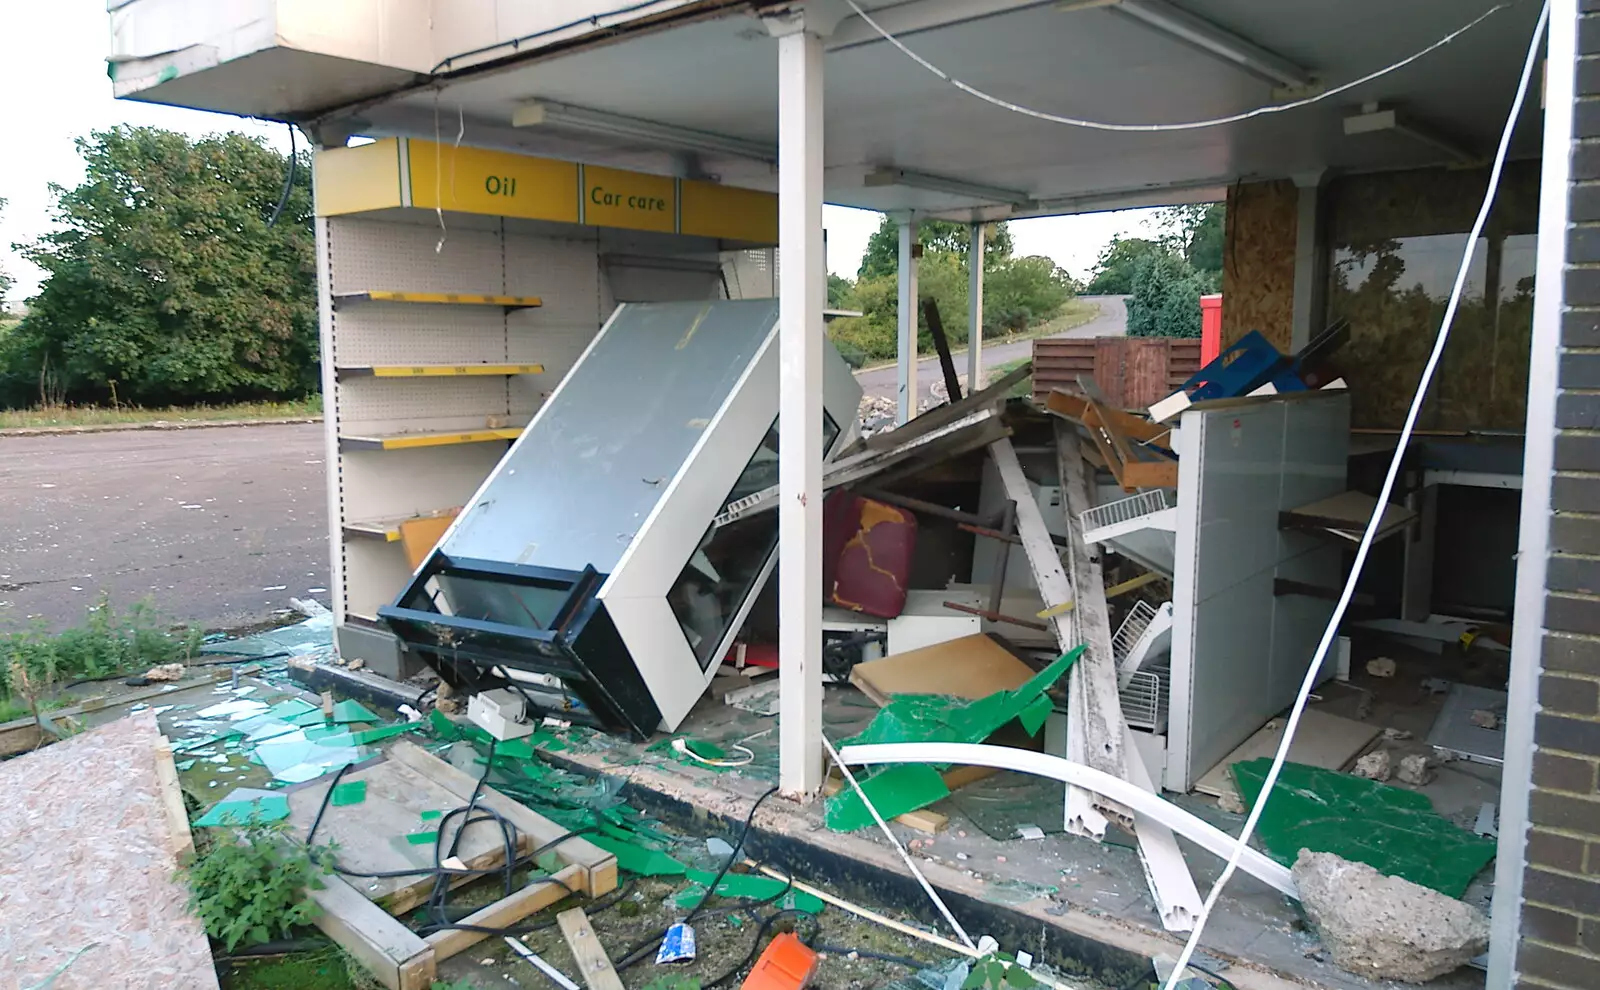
114, 416
1022, 389
318, 969
1073, 315
35, 663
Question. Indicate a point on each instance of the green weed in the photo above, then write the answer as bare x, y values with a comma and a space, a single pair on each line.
35, 662
251, 886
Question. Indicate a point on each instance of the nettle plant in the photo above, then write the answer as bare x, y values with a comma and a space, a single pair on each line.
998, 972
253, 885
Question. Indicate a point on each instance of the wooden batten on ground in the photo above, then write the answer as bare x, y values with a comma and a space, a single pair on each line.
371, 833
594, 966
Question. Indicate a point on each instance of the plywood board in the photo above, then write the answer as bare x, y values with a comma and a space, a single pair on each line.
371, 836
1321, 740
90, 891
420, 536
969, 667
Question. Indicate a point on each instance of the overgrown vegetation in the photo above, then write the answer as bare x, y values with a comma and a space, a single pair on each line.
35, 663
72, 416
1018, 294
253, 885
1165, 276
167, 281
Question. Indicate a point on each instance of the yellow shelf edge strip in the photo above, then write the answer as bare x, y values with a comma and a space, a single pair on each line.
449, 370
447, 298
405, 441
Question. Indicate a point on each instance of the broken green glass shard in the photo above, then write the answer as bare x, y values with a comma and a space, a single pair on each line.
635, 859
443, 728
748, 886
287, 711
422, 838
367, 737
1395, 831
273, 808
308, 719
430, 815
893, 791
353, 711
349, 792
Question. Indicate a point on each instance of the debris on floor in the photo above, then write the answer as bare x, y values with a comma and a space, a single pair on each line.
1389, 828
1386, 927
94, 902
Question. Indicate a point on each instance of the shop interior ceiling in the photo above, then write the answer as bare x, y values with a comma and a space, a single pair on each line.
720, 76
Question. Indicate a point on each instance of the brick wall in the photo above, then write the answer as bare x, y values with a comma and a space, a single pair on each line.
1560, 944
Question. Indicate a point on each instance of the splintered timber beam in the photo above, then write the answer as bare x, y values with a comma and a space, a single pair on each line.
1092, 691
1101, 740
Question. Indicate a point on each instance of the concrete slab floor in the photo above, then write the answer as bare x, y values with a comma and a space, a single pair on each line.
1091, 890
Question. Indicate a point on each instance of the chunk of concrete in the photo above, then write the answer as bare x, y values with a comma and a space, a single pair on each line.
1414, 769
1386, 928
1381, 667
1373, 766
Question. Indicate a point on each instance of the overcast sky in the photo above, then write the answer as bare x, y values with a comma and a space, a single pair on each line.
52, 67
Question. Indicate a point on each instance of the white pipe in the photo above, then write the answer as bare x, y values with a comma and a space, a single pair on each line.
1202, 833
933, 895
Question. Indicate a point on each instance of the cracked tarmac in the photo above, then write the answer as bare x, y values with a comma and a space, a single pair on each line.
218, 527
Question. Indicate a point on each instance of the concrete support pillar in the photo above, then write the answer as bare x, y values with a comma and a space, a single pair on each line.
907, 349
975, 310
1310, 261
802, 292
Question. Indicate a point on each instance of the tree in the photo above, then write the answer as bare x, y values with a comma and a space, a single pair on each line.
839, 290
882, 256
1165, 301
1196, 233
1114, 270
5, 280
166, 282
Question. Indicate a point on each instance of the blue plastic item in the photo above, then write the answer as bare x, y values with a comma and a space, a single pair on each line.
1240, 369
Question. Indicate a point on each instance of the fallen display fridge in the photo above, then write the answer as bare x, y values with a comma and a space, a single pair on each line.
588, 573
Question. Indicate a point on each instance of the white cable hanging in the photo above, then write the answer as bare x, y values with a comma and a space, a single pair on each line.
1192, 125
1383, 500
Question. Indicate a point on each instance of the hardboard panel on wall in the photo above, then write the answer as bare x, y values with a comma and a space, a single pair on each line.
375, 574
380, 255
1258, 261
391, 484
1396, 241
409, 334
377, 406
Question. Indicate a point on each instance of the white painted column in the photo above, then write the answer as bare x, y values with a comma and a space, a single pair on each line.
1310, 252
1538, 457
802, 291
907, 349
975, 310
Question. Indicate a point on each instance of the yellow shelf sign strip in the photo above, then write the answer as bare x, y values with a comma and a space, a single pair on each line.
439, 370
409, 441
388, 530
442, 298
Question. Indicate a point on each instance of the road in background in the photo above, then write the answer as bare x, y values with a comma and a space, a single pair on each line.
218, 526
1111, 321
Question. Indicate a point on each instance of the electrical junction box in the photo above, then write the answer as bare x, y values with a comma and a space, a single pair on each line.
502, 712
589, 570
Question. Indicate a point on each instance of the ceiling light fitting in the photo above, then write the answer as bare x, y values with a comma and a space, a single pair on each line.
1374, 118
564, 116
940, 184
1214, 40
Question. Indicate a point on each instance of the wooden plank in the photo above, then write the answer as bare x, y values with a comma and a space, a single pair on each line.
393, 953
1108, 371
371, 835
506, 911
952, 384
599, 867
172, 801
23, 735
594, 966
1145, 372
1093, 699
970, 667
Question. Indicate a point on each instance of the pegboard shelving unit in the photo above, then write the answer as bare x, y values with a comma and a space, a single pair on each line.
445, 330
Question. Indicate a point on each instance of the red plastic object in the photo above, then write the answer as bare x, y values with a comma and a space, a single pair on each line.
866, 554
1210, 328
787, 964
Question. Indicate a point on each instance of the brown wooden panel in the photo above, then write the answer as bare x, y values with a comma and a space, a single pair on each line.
1058, 363
1109, 373
1183, 360
1145, 371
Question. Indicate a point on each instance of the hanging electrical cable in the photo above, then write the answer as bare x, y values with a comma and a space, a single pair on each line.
1183, 126
288, 182
1371, 531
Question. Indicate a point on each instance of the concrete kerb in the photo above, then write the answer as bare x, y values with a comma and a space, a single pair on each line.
160, 424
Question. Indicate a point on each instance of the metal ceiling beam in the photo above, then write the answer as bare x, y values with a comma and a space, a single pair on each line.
890, 176
908, 18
